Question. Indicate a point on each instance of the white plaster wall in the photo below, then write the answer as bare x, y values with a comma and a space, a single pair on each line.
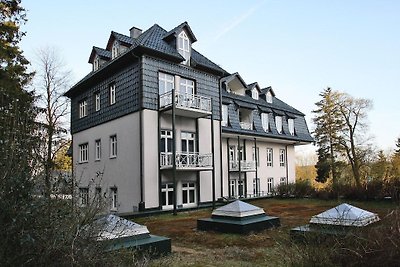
123, 171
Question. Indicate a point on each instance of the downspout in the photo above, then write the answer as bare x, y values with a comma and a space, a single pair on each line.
229, 168
256, 156
174, 149
141, 204
238, 158
220, 141
197, 172
159, 155
287, 165
213, 156
245, 174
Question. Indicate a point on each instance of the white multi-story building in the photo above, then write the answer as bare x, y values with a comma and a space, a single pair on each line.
156, 125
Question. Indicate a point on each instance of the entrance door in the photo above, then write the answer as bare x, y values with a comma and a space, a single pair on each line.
167, 192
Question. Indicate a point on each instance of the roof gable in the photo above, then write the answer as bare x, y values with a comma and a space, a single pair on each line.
102, 53
254, 86
123, 39
266, 90
178, 29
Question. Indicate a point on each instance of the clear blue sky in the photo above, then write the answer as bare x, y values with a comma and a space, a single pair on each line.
297, 47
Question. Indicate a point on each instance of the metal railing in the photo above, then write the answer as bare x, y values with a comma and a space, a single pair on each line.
188, 101
246, 125
186, 160
244, 165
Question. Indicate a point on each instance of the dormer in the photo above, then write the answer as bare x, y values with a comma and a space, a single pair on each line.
267, 94
182, 38
234, 84
253, 90
98, 57
115, 49
118, 44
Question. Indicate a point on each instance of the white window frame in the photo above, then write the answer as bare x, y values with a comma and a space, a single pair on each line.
96, 63
270, 185
112, 94
114, 198
187, 188
254, 94
233, 188
84, 196
113, 146
115, 50
282, 157
166, 83
224, 121
165, 189
269, 97
84, 153
188, 137
83, 108
265, 121
270, 157
256, 185
291, 126
97, 101
183, 46
97, 150
186, 87
278, 123
256, 150
283, 181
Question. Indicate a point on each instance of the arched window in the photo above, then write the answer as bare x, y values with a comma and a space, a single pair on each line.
115, 50
184, 46
254, 94
96, 63
269, 97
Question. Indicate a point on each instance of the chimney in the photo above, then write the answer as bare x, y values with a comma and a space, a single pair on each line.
135, 32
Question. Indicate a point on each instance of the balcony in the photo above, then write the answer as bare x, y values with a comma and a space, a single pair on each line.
187, 105
245, 166
186, 161
246, 125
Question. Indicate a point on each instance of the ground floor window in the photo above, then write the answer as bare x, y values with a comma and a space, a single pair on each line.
188, 193
240, 188
84, 196
237, 188
114, 198
167, 193
233, 187
270, 185
283, 180
256, 186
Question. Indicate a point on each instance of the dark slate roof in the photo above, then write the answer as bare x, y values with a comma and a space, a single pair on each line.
102, 53
265, 90
252, 85
175, 31
230, 77
123, 38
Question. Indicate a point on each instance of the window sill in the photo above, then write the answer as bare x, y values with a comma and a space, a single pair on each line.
113, 157
97, 160
83, 162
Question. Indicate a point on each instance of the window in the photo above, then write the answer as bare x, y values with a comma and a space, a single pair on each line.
167, 193
270, 185
97, 149
115, 50
232, 153
291, 126
98, 194
96, 63
233, 187
256, 155
184, 46
269, 156
269, 97
188, 142
224, 115
240, 187
256, 186
166, 143
254, 94
186, 87
83, 153
264, 120
112, 94
165, 83
283, 180
282, 157
188, 193
278, 122
114, 198
84, 196
83, 108
113, 146
97, 101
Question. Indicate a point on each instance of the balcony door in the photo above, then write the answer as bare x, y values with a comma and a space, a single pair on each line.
166, 148
188, 148
186, 93
167, 193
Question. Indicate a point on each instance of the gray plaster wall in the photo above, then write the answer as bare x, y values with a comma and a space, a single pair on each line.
122, 172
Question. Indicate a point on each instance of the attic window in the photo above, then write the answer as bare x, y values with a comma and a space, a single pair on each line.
115, 50
96, 63
269, 97
184, 46
254, 94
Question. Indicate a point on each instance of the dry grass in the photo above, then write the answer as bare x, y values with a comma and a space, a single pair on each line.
266, 248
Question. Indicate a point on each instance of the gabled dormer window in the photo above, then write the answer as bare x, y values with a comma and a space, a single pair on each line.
269, 97
264, 121
184, 46
96, 63
115, 50
254, 94
278, 123
291, 126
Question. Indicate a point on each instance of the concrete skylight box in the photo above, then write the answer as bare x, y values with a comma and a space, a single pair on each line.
121, 233
337, 221
238, 217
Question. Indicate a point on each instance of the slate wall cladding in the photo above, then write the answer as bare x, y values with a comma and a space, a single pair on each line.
127, 99
206, 84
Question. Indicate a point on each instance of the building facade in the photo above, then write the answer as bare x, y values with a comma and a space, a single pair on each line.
156, 125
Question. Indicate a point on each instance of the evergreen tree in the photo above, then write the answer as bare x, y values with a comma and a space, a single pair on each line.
328, 124
397, 150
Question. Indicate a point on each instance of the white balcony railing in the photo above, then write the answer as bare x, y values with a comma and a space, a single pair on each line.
246, 125
186, 160
186, 101
244, 165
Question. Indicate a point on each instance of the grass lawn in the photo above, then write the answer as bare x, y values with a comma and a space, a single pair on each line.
197, 248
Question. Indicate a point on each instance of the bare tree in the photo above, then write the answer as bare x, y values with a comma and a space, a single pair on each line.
353, 138
52, 80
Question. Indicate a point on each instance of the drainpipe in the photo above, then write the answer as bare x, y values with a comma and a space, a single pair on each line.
287, 163
256, 156
141, 203
220, 141
213, 155
229, 168
240, 170
174, 150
